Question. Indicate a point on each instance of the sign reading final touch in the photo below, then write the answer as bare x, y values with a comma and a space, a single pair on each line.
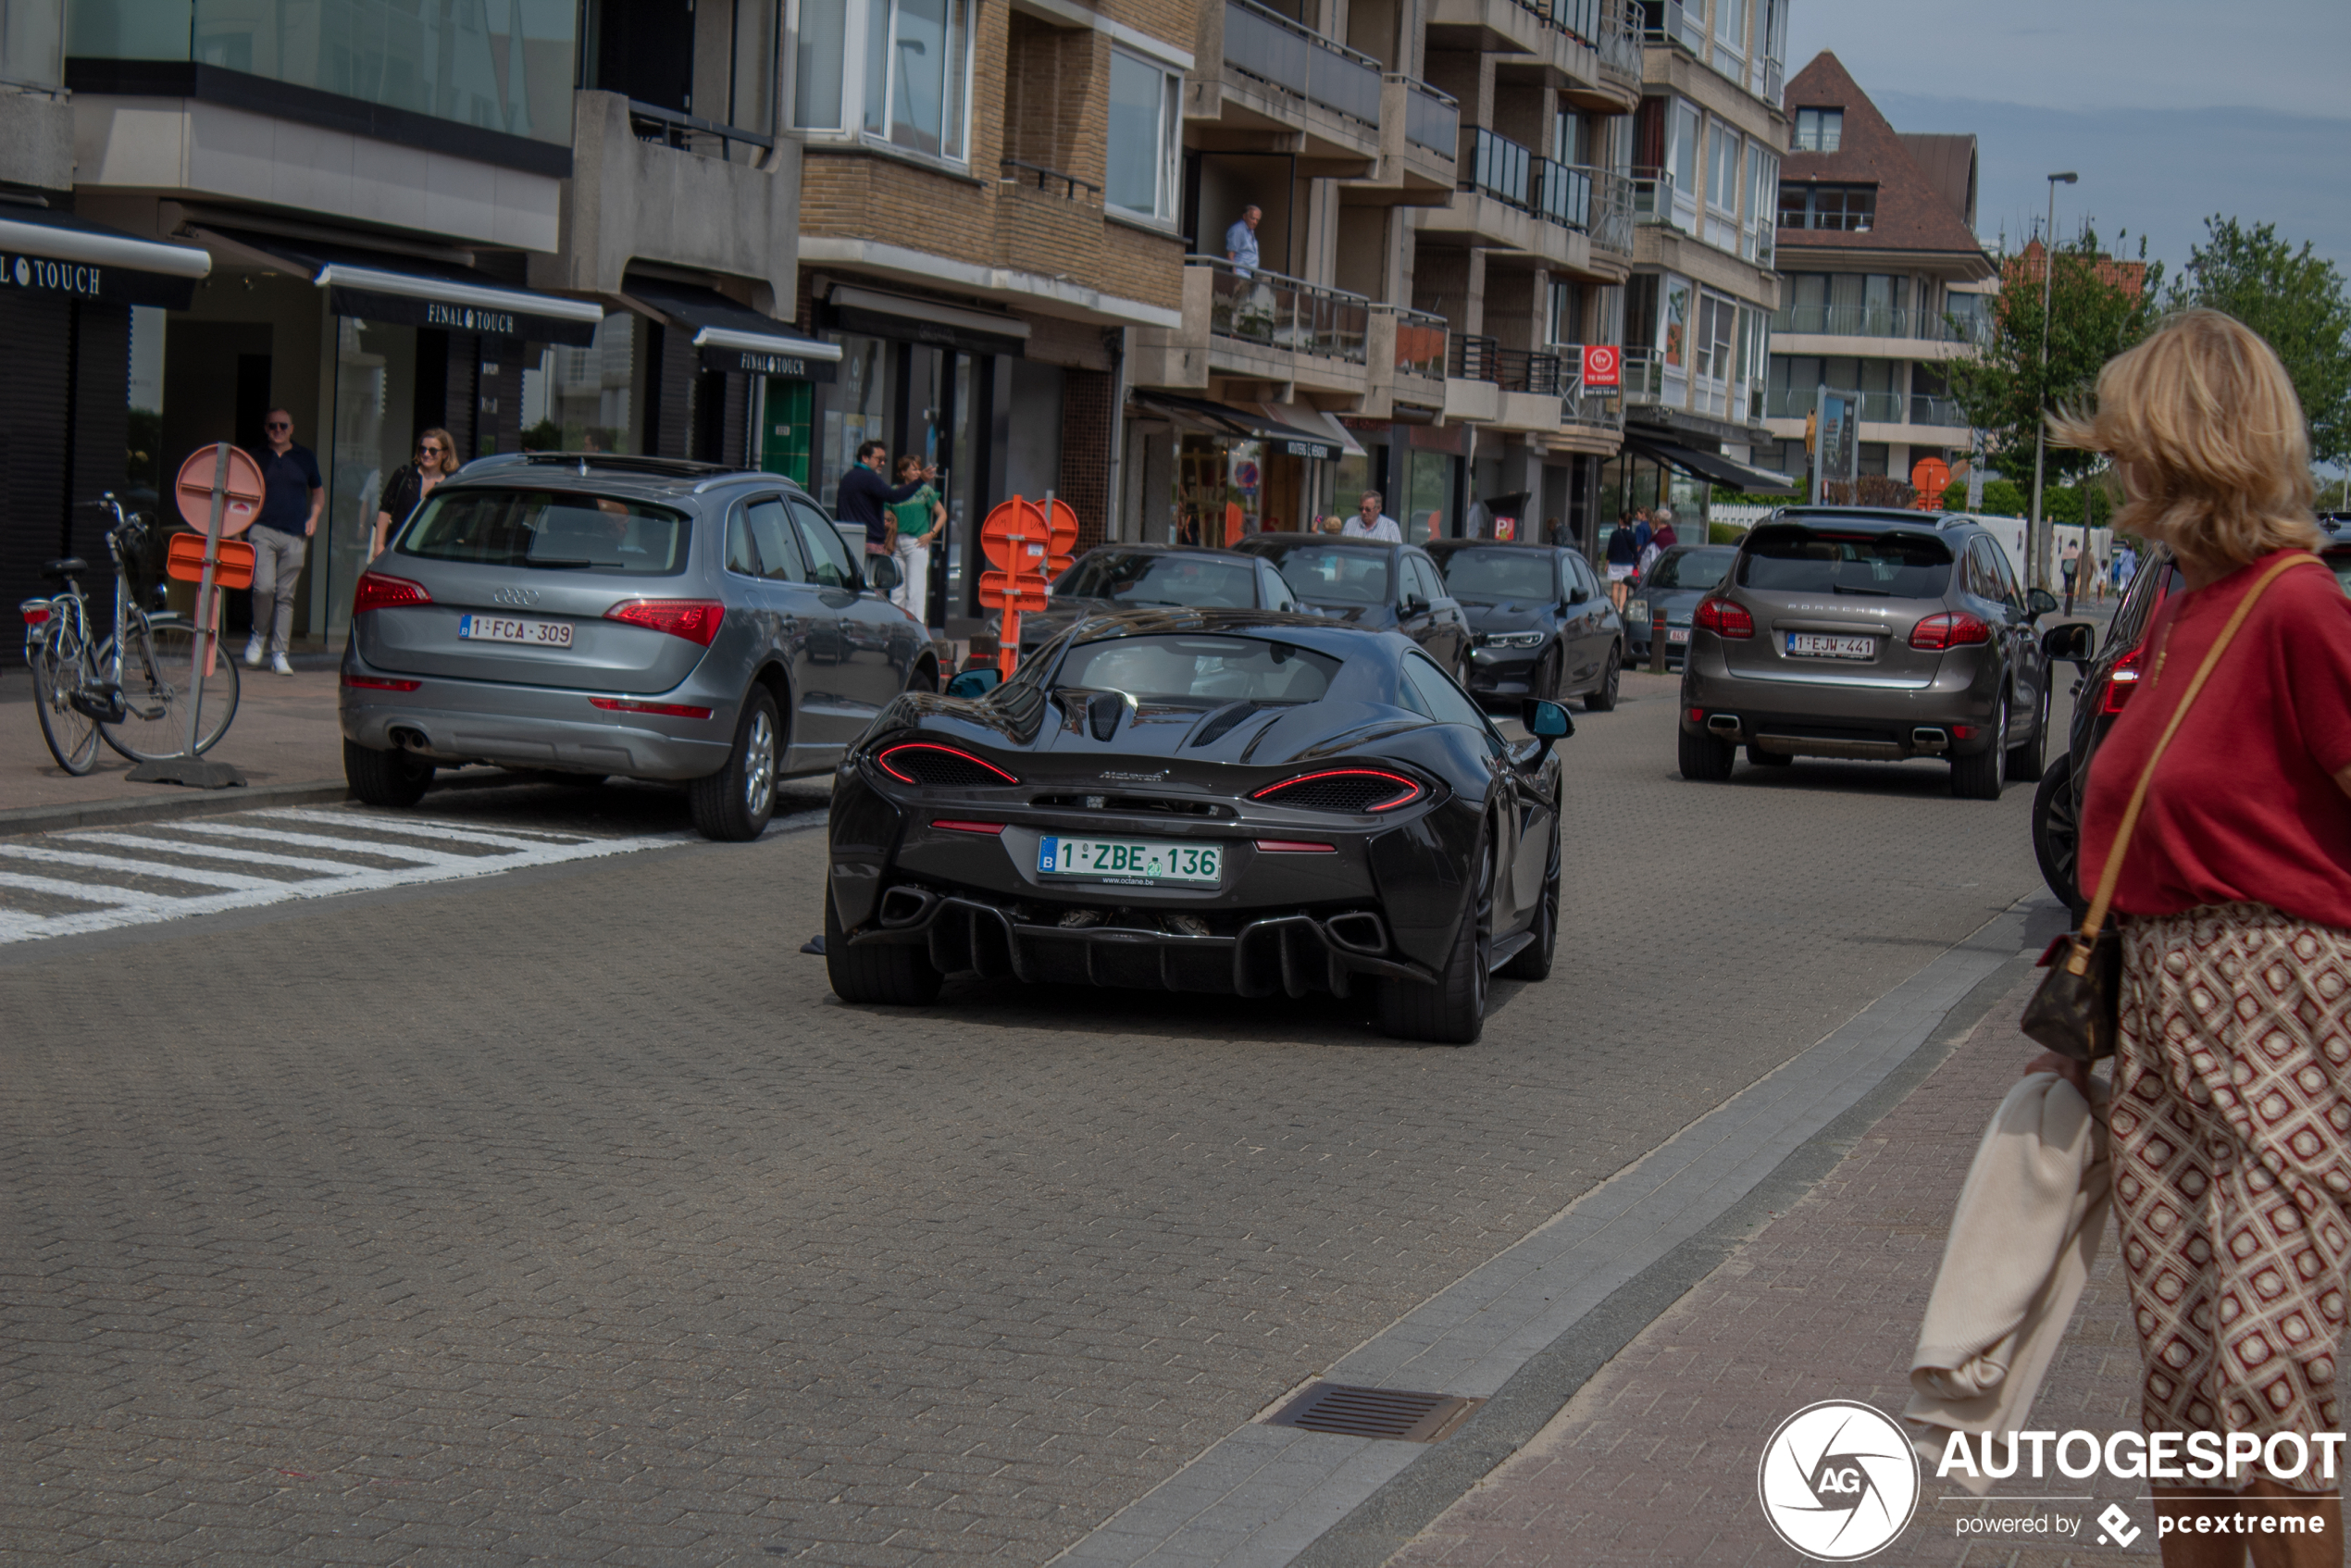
415, 310
754, 362
88, 280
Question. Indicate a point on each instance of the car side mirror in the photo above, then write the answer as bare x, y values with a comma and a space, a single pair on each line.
2074, 641
2041, 601
975, 682
881, 574
1415, 606
1547, 722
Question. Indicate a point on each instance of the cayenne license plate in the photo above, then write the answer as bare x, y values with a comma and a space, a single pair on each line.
505, 629
1149, 862
1818, 645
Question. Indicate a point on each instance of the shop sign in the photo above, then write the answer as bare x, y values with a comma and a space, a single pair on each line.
417, 310
81, 280
756, 363
470, 319
1310, 448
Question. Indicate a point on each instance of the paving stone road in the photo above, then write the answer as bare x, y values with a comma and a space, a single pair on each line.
562, 1214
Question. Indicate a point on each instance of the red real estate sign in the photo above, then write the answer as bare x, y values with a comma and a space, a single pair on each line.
1603, 366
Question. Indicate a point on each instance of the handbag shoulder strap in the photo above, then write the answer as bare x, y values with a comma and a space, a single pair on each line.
2111, 876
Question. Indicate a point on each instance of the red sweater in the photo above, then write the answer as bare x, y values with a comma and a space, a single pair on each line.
2244, 806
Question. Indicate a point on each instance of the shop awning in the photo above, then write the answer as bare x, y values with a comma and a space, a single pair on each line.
906, 318
1714, 465
48, 252
412, 292
1244, 421
733, 336
1314, 422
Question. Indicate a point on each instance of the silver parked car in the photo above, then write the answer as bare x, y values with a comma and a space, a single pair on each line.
595, 615
1853, 632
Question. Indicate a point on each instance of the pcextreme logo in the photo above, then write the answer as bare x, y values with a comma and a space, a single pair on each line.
1837, 1481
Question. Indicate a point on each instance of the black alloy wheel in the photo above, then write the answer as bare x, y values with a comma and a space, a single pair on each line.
734, 803
384, 778
1984, 775
1533, 962
1601, 699
1705, 758
1452, 1011
2026, 762
885, 975
2057, 831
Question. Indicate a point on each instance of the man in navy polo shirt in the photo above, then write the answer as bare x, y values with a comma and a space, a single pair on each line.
292, 494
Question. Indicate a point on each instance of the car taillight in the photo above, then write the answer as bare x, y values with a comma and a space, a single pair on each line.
378, 590
696, 620
379, 683
1953, 629
631, 706
931, 766
1724, 618
2121, 682
1294, 846
1344, 789
954, 825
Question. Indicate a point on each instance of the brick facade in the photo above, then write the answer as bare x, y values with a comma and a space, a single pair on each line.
1087, 422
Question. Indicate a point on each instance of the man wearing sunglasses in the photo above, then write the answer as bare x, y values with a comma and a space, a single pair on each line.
292, 492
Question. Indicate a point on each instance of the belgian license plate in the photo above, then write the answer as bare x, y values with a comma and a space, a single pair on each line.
1677, 634
1145, 861
1818, 645
505, 629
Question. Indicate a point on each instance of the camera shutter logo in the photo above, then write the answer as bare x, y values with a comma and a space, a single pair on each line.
1839, 1481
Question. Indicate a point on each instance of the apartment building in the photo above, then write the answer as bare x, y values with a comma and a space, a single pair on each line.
1883, 280
563, 226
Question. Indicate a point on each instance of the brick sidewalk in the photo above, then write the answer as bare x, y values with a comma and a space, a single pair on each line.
1654, 1461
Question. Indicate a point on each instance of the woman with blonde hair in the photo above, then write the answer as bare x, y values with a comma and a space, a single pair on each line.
436, 460
2230, 1113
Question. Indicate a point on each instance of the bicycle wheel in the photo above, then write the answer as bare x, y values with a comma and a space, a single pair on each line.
57, 676
155, 674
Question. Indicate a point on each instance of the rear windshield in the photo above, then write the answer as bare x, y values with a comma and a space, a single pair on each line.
549, 529
1691, 569
1794, 560
1485, 575
1218, 669
1334, 574
1132, 580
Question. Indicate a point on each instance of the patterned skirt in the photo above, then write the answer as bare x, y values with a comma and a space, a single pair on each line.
2232, 1146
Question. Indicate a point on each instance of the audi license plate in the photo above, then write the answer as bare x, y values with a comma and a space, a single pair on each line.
1147, 862
505, 628
1817, 645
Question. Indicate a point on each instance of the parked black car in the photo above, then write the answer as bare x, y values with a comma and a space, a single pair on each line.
1154, 576
1540, 621
1373, 585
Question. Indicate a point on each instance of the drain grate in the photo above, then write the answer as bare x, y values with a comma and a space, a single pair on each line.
1396, 1414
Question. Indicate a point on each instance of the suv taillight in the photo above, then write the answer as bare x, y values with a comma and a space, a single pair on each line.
378, 590
2121, 682
1724, 618
1953, 629
696, 620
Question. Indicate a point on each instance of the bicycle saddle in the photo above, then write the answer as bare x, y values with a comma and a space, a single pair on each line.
72, 565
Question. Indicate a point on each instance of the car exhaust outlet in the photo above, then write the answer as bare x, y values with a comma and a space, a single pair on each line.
1359, 931
1928, 738
1725, 724
411, 740
905, 906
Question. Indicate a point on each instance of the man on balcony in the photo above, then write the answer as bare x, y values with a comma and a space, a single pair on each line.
1240, 240
1370, 522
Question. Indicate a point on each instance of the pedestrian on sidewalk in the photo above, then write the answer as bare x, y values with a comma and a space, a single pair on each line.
2072, 569
292, 494
863, 496
1624, 555
1371, 521
919, 519
1663, 536
436, 460
2231, 1115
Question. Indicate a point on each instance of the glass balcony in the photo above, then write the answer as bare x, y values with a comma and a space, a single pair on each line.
1877, 321
1496, 166
1644, 376
1945, 411
504, 68
1300, 62
1432, 119
1284, 313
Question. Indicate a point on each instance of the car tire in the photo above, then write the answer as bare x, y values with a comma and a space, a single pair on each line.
882, 974
1452, 1011
1461, 671
1545, 680
384, 778
1705, 759
2026, 762
1983, 776
2057, 832
1601, 699
1761, 758
1533, 962
734, 803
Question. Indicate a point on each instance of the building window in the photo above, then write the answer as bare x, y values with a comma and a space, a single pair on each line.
1723, 145
1819, 131
1763, 201
1848, 207
1141, 169
914, 91
1567, 311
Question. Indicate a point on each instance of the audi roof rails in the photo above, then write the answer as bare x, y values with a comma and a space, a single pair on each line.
669, 467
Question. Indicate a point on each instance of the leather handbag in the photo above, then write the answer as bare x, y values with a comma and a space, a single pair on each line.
2077, 1009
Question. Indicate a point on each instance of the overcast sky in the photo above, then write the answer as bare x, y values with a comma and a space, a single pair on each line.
2169, 109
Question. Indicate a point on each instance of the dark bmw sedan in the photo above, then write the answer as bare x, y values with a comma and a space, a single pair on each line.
1154, 576
1682, 577
1540, 623
1375, 585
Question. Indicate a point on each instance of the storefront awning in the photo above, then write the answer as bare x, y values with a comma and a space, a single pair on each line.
412, 292
1714, 465
733, 336
48, 252
908, 319
1315, 423
1243, 421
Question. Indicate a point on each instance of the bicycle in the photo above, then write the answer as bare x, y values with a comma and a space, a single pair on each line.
130, 688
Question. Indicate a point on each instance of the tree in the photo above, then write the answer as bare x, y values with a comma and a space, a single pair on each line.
2094, 312
2295, 300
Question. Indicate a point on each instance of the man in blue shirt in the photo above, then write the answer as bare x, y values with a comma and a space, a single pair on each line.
1240, 240
291, 495
865, 497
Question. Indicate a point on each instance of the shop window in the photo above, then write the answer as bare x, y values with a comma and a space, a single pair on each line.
581, 399
1139, 173
913, 88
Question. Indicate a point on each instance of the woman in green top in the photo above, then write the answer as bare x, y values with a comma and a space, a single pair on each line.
919, 517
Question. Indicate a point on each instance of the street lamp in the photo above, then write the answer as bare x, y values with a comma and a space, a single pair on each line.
2041, 422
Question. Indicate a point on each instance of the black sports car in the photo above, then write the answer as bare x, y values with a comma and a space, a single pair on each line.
1374, 584
1540, 623
1140, 577
1234, 801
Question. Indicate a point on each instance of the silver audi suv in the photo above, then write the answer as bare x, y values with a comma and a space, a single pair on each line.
1860, 633
595, 615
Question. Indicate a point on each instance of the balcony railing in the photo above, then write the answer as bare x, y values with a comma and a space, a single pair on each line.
1876, 321
1300, 62
1474, 359
1927, 410
1610, 210
1671, 21
1877, 407
1495, 166
1432, 119
1284, 313
1562, 194
1620, 37
1499, 168
1580, 404
1519, 370
1644, 376
1657, 199
667, 128
1013, 171
1420, 342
